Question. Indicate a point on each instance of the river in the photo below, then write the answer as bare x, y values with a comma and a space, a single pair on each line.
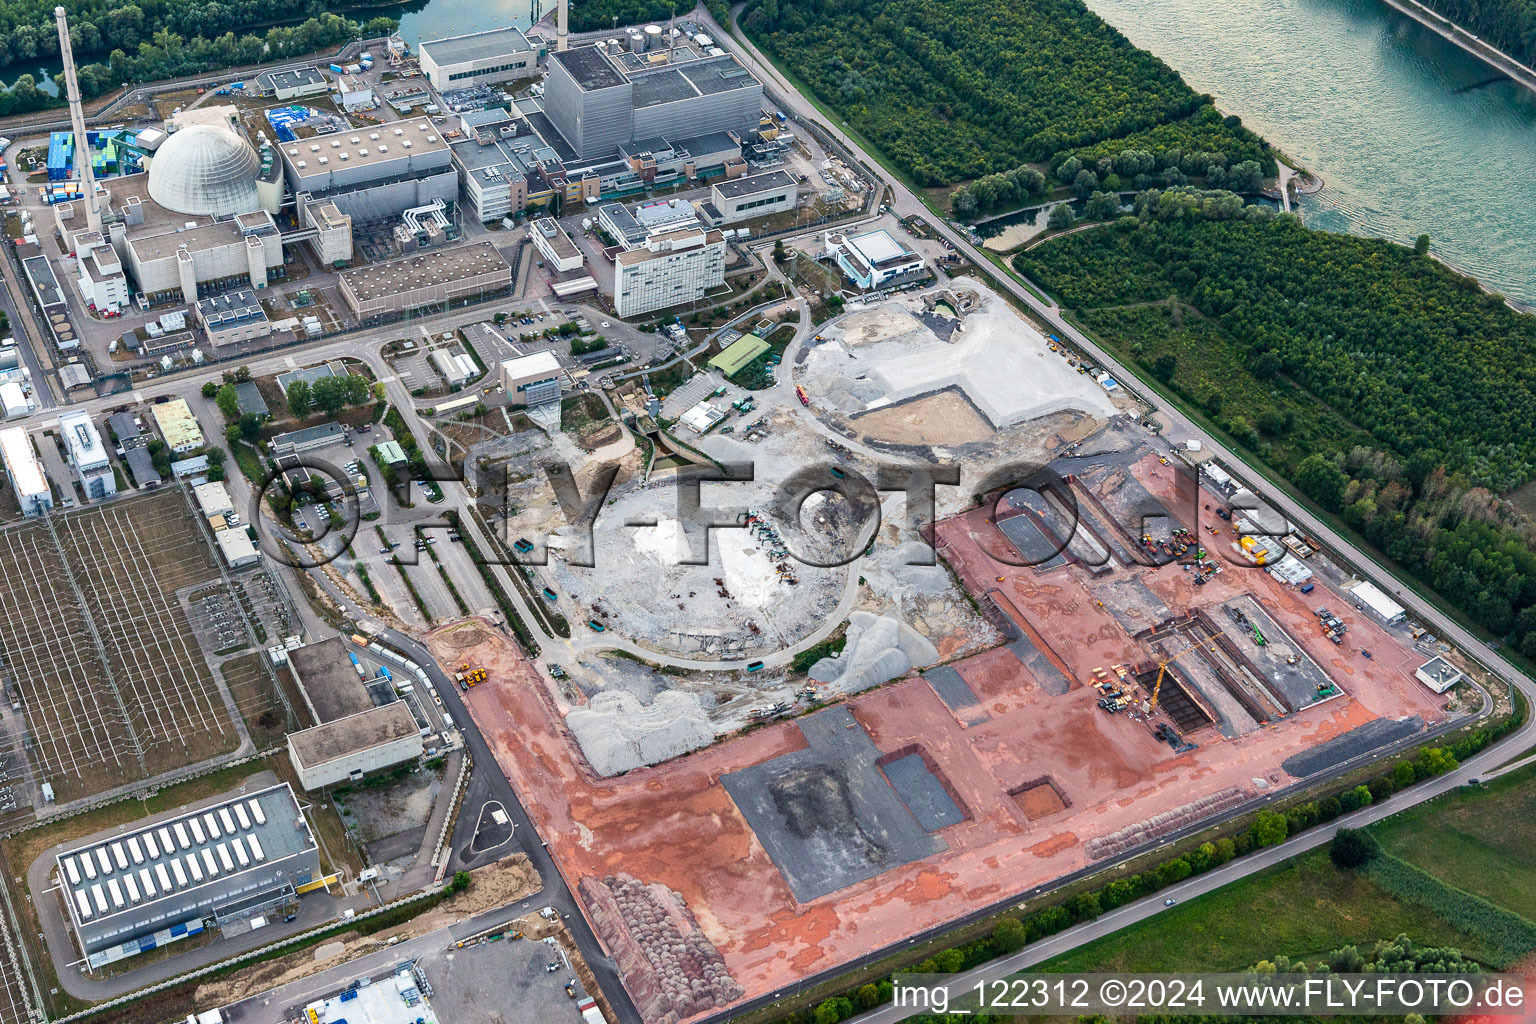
1368, 99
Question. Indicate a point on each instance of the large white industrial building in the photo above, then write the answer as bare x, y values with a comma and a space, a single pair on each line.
87, 455
669, 269
533, 380
133, 891
28, 482
499, 55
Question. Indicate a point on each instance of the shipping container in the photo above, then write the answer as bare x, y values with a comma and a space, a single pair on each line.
135, 849
213, 870
146, 882
198, 835
150, 847
132, 887
88, 865
181, 835
225, 858
194, 867
213, 825
116, 891
181, 876
101, 860
165, 841
227, 820
242, 817
119, 855
240, 855
72, 871
257, 812
100, 896
83, 904
256, 850
163, 876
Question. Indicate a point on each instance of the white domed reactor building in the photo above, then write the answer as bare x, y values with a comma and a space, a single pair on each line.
207, 171
203, 219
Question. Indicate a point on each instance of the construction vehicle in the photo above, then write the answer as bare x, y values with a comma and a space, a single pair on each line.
1162, 670
805, 399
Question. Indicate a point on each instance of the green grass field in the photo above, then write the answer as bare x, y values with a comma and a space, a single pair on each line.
1302, 908
1478, 840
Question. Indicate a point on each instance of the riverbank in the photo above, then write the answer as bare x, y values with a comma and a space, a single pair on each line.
1454, 33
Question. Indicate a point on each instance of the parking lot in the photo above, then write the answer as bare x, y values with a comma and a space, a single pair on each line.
503, 982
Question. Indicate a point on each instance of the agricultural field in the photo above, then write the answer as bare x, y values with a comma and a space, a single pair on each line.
1478, 840
141, 703
1304, 907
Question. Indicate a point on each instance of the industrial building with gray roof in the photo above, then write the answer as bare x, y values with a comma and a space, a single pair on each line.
160, 881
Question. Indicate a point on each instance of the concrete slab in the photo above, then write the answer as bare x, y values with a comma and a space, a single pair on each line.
1357, 741
952, 690
923, 793
826, 815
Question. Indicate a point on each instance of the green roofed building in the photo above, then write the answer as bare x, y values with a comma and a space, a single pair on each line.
390, 453
740, 353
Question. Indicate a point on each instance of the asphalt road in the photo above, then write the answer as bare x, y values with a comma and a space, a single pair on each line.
525, 836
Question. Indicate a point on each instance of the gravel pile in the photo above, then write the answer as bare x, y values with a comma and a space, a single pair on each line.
618, 732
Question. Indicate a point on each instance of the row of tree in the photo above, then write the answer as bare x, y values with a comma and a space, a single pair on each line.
1412, 388
958, 89
168, 54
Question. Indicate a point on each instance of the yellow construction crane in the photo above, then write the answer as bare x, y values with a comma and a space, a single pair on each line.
1162, 670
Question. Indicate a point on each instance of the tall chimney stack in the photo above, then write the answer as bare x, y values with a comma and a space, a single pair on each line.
77, 120
562, 24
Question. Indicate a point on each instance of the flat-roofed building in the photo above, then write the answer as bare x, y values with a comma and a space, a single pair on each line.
28, 481
233, 317
437, 277
872, 259
372, 173
532, 380
213, 498
600, 101
237, 547
296, 442
177, 425
167, 876
176, 262
356, 733
93, 467
291, 83
500, 55
757, 195
353, 746
1438, 674
555, 245
670, 269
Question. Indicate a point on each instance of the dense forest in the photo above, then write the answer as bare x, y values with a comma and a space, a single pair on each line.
1508, 24
956, 89
165, 53
1387, 388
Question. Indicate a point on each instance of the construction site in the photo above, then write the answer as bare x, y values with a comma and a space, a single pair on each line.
1143, 675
